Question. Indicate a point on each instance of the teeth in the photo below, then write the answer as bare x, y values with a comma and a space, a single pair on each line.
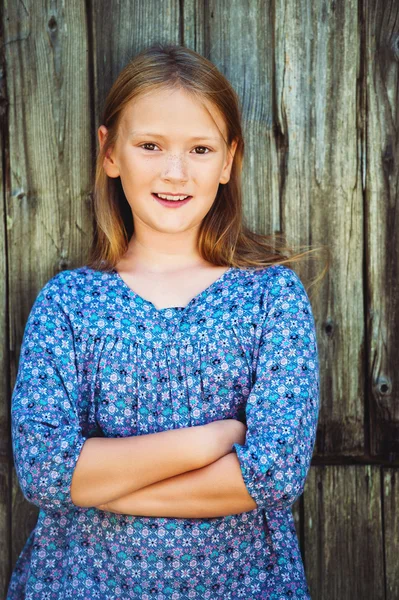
166, 197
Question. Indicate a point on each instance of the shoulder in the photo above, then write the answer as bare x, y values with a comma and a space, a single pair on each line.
281, 284
275, 278
68, 287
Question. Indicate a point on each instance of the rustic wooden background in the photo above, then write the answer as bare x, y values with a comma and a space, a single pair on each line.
318, 81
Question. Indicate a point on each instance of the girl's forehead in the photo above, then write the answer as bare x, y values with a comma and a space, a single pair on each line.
157, 105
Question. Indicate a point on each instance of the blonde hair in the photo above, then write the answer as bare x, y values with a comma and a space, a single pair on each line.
224, 239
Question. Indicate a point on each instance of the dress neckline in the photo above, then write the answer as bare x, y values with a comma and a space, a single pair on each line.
194, 300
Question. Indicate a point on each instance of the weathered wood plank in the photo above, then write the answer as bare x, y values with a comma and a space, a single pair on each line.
317, 61
381, 82
234, 29
48, 204
5, 442
391, 531
344, 553
135, 25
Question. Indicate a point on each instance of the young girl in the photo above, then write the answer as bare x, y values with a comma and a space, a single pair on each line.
165, 408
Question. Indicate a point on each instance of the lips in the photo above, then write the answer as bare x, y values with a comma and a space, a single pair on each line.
169, 194
171, 203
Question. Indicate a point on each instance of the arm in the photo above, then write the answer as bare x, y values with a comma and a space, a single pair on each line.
112, 467
213, 491
283, 404
46, 434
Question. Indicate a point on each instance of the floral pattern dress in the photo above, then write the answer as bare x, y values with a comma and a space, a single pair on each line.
96, 360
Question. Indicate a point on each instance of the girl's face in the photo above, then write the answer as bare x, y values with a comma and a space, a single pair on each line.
168, 143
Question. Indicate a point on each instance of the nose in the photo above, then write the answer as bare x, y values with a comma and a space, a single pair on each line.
175, 168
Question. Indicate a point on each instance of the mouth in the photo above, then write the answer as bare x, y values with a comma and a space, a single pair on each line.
171, 203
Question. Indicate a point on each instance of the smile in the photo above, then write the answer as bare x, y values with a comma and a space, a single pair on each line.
171, 203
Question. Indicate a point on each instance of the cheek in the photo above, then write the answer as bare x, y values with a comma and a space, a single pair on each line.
136, 176
207, 177
215, 172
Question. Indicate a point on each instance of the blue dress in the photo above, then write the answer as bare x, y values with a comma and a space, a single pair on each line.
96, 360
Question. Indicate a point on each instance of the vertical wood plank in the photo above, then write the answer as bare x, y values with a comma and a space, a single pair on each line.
239, 40
5, 438
391, 531
344, 554
382, 204
317, 62
134, 25
48, 203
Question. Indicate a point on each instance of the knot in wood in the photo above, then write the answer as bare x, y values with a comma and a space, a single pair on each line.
383, 386
52, 24
329, 327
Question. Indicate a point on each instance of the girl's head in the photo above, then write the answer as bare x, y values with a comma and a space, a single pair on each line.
169, 91
166, 96
160, 149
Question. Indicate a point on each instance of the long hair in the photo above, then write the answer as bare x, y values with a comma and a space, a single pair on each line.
224, 239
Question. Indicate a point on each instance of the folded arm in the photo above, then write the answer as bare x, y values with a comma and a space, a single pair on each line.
109, 468
215, 490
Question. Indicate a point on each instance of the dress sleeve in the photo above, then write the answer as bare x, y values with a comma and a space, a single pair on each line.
46, 434
283, 405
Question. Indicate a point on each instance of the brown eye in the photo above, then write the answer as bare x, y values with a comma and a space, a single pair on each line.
204, 148
148, 144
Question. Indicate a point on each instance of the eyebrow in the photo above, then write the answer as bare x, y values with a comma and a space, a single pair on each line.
159, 135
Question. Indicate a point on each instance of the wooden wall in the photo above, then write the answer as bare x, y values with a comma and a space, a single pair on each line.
319, 83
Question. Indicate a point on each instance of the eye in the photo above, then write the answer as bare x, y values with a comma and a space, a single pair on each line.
147, 144
152, 144
204, 148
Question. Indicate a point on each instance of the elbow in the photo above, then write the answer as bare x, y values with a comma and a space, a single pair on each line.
38, 479
51, 491
49, 498
44, 462
276, 494
283, 482
284, 498
272, 492
55, 499
273, 484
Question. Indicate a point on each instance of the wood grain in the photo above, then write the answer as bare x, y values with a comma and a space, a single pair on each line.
390, 531
381, 85
344, 546
5, 438
49, 146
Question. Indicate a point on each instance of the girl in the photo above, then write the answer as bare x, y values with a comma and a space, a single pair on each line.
165, 408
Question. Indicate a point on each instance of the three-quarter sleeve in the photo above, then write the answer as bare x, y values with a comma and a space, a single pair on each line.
283, 405
46, 435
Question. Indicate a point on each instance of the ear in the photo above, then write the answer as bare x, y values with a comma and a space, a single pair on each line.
225, 176
109, 164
